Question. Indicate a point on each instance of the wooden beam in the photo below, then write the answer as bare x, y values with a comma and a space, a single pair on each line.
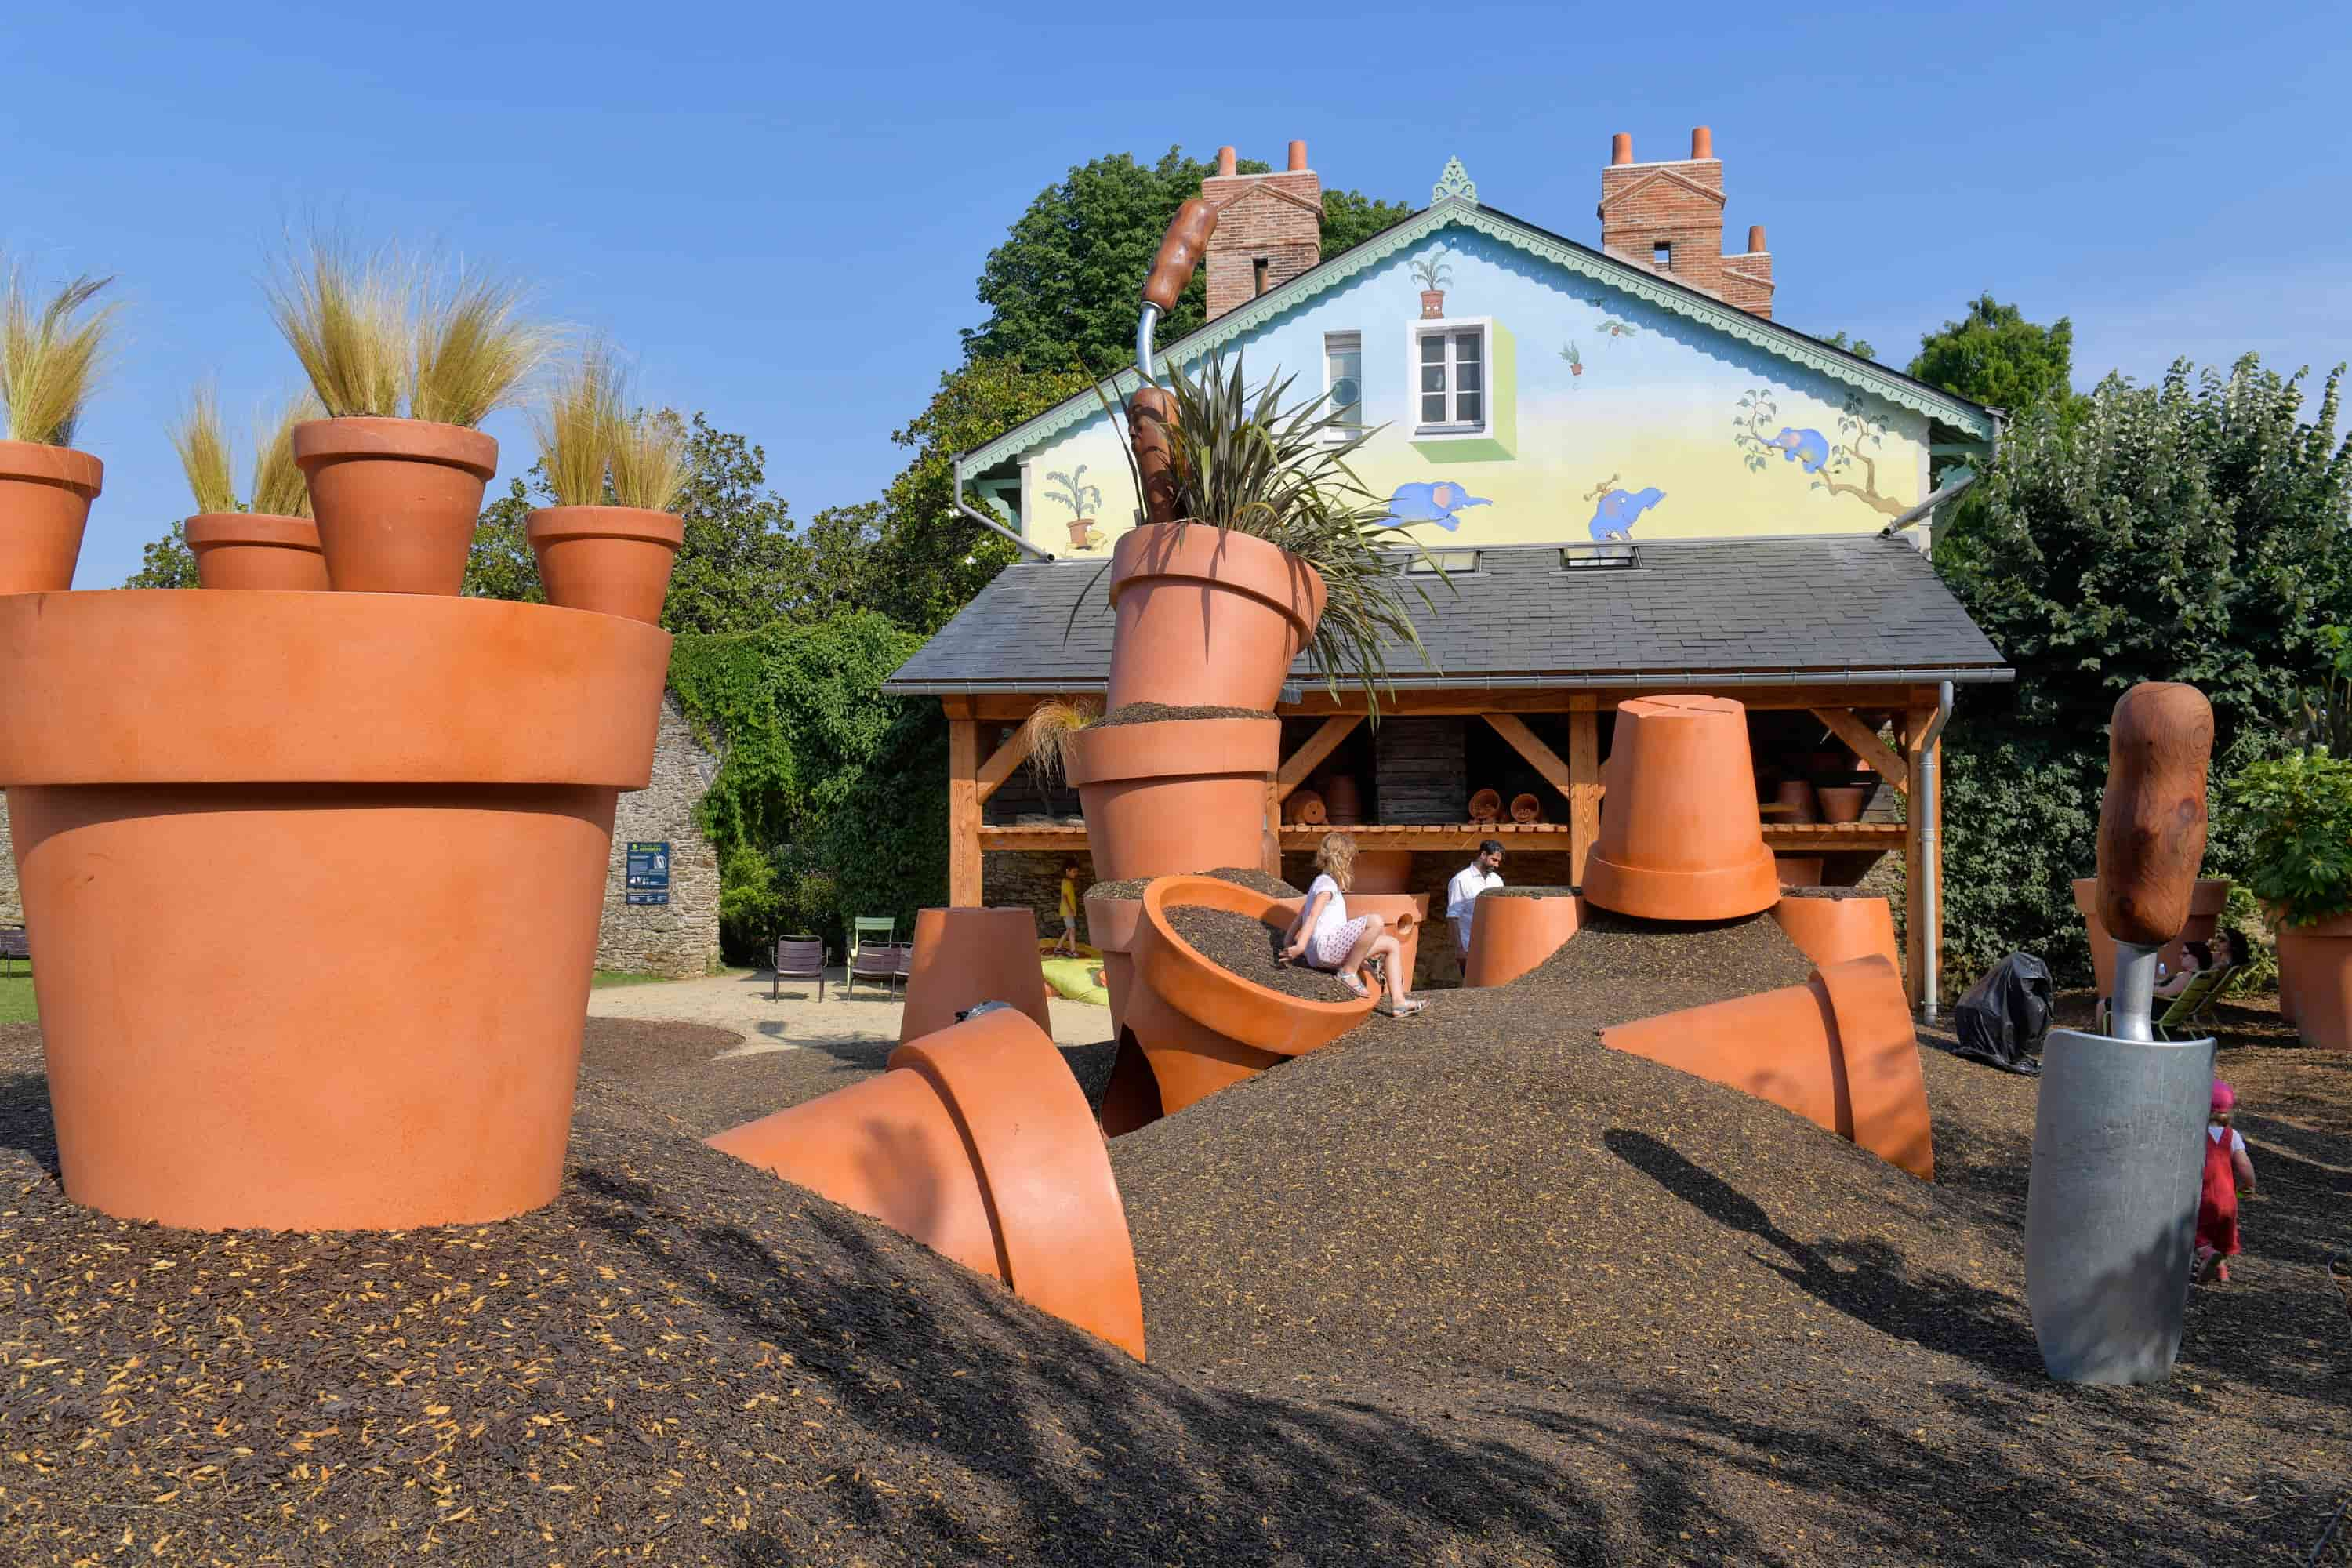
1915, 914
1804, 838
1540, 757
1310, 756
1584, 787
1866, 745
1002, 760
963, 813
1270, 842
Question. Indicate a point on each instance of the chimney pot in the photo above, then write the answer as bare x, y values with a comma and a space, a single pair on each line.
1702, 143
1297, 156
1224, 160
1621, 147
1756, 245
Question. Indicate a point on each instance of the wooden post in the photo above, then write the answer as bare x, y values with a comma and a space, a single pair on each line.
1917, 917
1270, 855
1866, 745
963, 813
1585, 780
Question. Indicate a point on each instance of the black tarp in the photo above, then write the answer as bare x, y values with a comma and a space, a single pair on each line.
2003, 1017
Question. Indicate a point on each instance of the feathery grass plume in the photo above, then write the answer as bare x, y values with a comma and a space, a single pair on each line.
345, 316
577, 425
474, 348
1048, 732
203, 447
278, 487
49, 361
650, 460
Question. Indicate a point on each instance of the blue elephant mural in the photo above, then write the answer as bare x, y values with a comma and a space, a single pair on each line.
1431, 503
1807, 446
1619, 509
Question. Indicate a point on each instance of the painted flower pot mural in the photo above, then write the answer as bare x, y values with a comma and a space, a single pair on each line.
1433, 275
1174, 796
254, 550
46, 486
1072, 491
290, 805
1680, 835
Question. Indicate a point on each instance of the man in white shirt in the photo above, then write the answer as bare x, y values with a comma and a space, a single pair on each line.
1462, 893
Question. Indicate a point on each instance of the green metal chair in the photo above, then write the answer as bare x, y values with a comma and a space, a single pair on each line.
2190, 1013
879, 928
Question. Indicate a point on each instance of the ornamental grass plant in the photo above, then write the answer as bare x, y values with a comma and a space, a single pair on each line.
475, 347
1049, 730
576, 427
650, 460
345, 314
52, 354
202, 446
278, 487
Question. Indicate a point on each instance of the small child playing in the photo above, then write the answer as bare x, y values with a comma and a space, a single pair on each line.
1067, 946
2227, 1172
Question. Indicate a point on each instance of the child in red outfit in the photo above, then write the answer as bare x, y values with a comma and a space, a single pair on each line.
2228, 1171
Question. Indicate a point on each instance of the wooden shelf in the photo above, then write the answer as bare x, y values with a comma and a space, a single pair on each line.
1808, 838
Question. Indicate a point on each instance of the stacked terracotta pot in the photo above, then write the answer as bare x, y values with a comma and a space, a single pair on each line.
353, 843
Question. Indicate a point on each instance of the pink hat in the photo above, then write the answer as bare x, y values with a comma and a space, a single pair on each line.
2223, 1096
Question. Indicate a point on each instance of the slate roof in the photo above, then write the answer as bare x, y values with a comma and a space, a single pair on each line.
1818, 609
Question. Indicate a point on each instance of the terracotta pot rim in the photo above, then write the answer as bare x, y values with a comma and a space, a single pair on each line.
42, 464
1651, 893
262, 686
1238, 563
2332, 926
1115, 753
642, 523
210, 530
318, 441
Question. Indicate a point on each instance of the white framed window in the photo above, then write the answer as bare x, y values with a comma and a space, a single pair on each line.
1343, 375
1450, 381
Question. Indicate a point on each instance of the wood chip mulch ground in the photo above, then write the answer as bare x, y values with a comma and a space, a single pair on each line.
1249, 877
1459, 1289
1252, 949
1162, 712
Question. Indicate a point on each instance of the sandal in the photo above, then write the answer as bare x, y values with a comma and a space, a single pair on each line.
1354, 986
1408, 1010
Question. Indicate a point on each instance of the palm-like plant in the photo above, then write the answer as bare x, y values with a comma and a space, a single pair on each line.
1259, 465
1432, 271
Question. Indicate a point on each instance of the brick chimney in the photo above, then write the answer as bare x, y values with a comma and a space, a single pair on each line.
1668, 217
1270, 228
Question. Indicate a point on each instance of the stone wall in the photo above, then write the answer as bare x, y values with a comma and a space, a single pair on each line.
1014, 877
12, 908
680, 938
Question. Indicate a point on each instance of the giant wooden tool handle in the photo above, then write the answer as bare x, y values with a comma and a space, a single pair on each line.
2152, 822
1181, 249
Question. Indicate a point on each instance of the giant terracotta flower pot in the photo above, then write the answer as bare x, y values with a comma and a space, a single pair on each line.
1203, 1028
396, 500
315, 881
614, 560
2206, 900
2289, 952
1831, 925
978, 1143
2319, 956
1513, 933
963, 957
2103, 946
1131, 1099
45, 495
1838, 1050
1175, 795
1680, 836
1206, 618
1110, 927
1384, 871
256, 550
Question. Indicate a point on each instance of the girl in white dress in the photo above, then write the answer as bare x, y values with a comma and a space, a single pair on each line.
1325, 938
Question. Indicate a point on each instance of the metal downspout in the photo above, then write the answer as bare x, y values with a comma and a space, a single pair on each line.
955, 470
1931, 909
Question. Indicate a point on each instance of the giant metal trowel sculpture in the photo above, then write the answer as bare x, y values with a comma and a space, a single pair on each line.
2111, 1212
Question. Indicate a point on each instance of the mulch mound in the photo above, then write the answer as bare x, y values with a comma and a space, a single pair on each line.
1509, 892
1252, 949
1156, 713
1248, 877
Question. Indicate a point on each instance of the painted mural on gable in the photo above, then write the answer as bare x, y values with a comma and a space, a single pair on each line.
1518, 401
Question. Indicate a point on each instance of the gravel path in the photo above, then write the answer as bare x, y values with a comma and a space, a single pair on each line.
740, 1004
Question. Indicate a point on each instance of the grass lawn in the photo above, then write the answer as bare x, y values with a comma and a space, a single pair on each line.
604, 977
16, 1000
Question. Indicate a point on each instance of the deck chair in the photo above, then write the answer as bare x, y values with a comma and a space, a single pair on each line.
883, 963
14, 946
883, 929
2192, 1011
799, 957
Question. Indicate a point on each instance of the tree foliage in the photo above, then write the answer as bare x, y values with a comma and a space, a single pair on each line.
165, 562
2194, 529
1993, 356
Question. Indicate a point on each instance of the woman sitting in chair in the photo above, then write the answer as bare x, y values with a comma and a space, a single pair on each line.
2229, 950
1325, 938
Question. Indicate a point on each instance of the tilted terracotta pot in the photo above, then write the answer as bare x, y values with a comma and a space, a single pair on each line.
256, 550
2103, 946
45, 495
396, 500
1838, 1050
1177, 795
1206, 618
978, 1143
1680, 836
1485, 806
963, 957
614, 560
1842, 803
1384, 871
1829, 929
1305, 807
1203, 1028
355, 846
2318, 956
1511, 935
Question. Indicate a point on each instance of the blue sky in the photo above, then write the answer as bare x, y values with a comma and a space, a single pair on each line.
780, 210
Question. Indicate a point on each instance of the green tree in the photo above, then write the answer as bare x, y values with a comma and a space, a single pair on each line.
1858, 347
165, 562
1062, 288
1993, 356
2194, 529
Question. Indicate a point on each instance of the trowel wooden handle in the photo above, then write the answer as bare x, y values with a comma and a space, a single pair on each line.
2152, 824
1181, 249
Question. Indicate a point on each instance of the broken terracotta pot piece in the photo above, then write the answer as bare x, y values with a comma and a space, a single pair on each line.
1838, 1050
963, 957
977, 1142
291, 806
1830, 925
1174, 796
1511, 935
1205, 616
1680, 836
1203, 1028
